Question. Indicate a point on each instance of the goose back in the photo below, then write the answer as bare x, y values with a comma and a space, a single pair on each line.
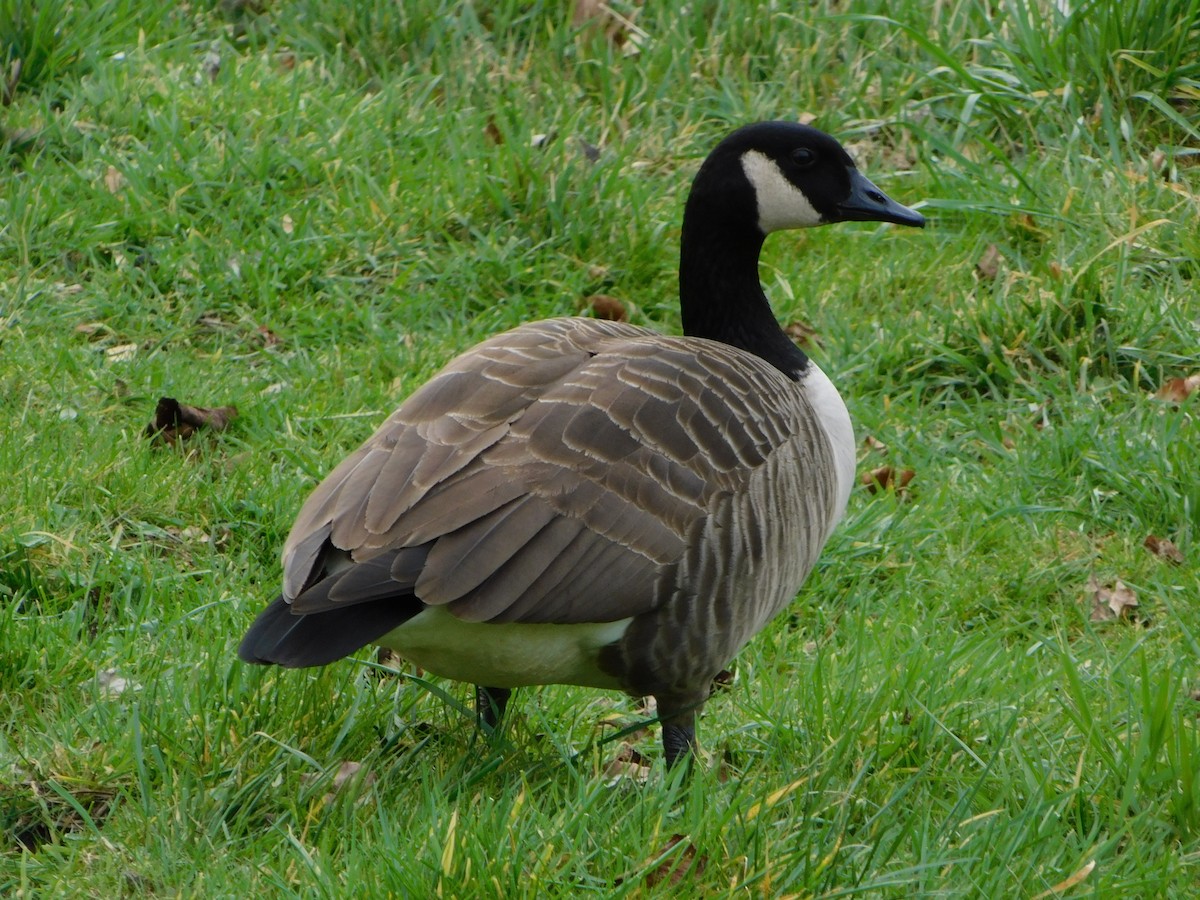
578, 471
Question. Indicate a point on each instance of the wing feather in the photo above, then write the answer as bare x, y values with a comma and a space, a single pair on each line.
551, 474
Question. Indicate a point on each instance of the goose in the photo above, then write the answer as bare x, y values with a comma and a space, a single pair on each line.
589, 502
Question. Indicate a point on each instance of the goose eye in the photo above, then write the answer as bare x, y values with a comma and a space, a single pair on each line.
803, 157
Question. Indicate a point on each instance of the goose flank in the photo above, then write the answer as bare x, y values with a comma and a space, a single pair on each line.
586, 502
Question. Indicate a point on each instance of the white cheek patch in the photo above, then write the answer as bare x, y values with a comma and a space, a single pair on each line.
780, 203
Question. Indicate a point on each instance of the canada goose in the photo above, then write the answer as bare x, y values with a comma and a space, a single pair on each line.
586, 502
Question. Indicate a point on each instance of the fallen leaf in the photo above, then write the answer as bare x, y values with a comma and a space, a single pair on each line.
620, 30
728, 767
92, 329
873, 443
269, 338
174, 421
1109, 603
348, 777
724, 679
113, 684
802, 334
215, 322
627, 765
1163, 549
988, 266
590, 151
286, 61
887, 477
121, 352
1067, 883
113, 180
1177, 390
673, 871
605, 306
586, 11
9, 88
287, 224
492, 133
211, 66
389, 659
806, 118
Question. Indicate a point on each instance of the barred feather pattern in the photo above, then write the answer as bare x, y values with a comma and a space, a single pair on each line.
574, 471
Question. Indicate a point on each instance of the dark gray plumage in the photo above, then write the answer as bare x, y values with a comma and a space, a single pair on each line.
586, 502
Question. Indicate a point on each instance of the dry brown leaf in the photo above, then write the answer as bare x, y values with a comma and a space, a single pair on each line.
627, 765
389, 661
605, 306
802, 334
1067, 883
92, 329
688, 862
724, 679
586, 11
348, 777
870, 442
619, 29
113, 180
269, 338
988, 266
1163, 549
121, 352
113, 684
492, 133
174, 421
1177, 390
8, 89
888, 477
1110, 603
211, 65
590, 151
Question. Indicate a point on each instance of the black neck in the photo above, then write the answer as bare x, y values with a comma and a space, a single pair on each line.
720, 296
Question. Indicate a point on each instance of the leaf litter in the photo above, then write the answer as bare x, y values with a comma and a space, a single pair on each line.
174, 421
1110, 603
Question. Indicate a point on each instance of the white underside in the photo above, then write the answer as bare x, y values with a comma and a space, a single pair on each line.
505, 655
835, 419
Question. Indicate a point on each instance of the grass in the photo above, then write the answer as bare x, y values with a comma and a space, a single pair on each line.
306, 208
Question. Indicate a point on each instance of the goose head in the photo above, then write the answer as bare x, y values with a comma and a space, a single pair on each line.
764, 178
773, 176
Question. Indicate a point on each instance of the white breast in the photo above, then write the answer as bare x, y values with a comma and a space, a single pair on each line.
835, 420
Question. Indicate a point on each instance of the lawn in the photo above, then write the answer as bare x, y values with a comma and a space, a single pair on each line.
990, 686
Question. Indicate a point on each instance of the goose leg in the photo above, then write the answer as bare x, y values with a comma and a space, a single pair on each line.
678, 731
490, 703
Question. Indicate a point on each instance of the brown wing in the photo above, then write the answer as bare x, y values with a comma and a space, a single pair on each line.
551, 474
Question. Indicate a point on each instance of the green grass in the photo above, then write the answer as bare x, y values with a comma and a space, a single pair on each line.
936, 716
